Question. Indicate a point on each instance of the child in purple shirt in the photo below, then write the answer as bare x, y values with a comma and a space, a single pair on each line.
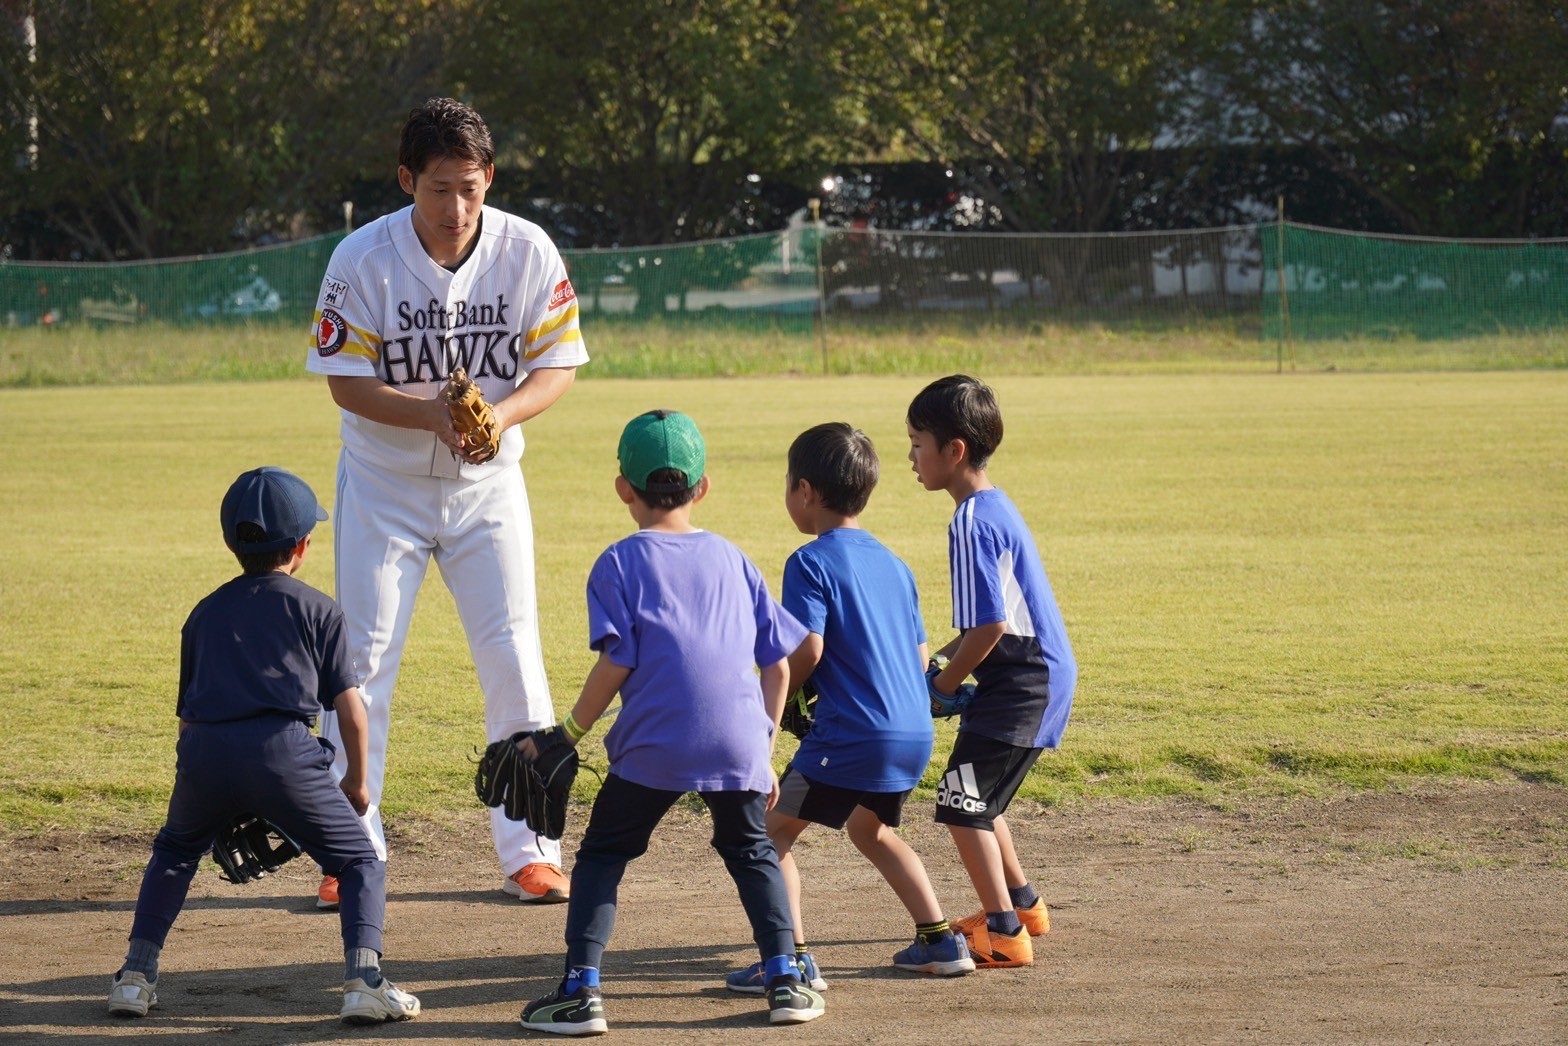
682, 622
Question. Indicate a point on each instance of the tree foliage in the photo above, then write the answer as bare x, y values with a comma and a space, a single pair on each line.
657, 113
1449, 113
178, 126
149, 128
1036, 106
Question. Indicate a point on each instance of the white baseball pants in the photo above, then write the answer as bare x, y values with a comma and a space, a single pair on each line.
387, 527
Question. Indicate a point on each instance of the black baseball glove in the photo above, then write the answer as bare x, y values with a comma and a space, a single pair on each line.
800, 710
249, 847
534, 790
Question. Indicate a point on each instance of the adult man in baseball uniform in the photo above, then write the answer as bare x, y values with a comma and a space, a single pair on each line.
444, 283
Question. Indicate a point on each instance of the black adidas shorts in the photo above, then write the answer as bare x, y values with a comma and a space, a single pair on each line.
830, 805
982, 776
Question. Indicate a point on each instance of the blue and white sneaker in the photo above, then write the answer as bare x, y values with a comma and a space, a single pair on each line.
753, 980
810, 974
948, 957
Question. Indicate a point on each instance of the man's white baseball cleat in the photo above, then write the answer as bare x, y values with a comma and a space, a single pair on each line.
363, 1004
131, 996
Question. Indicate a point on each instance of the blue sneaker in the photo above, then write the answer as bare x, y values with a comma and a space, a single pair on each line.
948, 957
810, 974
753, 980
750, 981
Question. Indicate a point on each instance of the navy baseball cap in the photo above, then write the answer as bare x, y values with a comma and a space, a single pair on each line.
662, 439
278, 502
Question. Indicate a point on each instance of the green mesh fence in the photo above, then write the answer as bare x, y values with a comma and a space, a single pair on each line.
781, 282
816, 283
270, 284
894, 276
1165, 277
765, 281
1346, 285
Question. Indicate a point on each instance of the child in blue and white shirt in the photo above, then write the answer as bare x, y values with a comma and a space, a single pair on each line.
1011, 637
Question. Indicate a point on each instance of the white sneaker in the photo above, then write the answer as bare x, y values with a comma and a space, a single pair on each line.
363, 1004
131, 995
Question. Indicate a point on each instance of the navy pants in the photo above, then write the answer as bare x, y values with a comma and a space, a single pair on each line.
624, 816
272, 767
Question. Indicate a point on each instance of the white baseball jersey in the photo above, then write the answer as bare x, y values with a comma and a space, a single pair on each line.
387, 310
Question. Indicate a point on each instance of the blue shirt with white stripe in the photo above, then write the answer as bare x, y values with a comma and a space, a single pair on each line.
1024, 687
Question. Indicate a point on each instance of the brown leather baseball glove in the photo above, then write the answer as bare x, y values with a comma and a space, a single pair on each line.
473, 417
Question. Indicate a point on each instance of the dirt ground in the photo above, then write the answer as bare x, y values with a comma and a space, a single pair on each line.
1435, 916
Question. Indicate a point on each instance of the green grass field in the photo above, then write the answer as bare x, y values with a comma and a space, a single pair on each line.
85, 355
1275, 584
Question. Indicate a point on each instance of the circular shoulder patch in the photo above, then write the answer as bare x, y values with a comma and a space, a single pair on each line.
331, 333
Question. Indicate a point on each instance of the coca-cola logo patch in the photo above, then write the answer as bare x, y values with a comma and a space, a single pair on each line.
563, 294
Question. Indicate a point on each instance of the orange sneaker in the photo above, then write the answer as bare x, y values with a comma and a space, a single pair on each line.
1036, 919
993, 951
538, 882
327, 893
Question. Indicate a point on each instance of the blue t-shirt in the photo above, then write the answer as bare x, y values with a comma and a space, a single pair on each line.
1024, 687
691, 617
265, 644
873, 720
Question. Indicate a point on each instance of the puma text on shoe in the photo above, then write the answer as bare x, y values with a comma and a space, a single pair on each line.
791, 1002
580, 1013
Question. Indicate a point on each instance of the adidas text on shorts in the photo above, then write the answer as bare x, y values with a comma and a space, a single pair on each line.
982, 776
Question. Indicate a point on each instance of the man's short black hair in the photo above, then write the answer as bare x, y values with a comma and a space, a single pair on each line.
254, 563
666, 499
444, 128
959, 407
839, 462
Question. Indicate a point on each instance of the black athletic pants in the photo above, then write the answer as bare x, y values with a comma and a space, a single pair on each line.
624, 816
271, 767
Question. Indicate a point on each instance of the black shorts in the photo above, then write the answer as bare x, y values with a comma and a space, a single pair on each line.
982, 776
830, 805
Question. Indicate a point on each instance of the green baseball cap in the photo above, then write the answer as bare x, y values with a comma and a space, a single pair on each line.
661, 439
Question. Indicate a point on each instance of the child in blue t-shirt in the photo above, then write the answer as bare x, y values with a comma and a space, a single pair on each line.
1011, 637
682, 622
260, 658
871, 736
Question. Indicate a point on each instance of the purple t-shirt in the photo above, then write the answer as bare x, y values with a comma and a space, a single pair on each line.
691, 617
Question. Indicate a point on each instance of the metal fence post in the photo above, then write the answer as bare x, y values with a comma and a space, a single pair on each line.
822, 299
1284, 302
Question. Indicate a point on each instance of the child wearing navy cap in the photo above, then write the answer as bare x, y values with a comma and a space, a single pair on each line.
260, 658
